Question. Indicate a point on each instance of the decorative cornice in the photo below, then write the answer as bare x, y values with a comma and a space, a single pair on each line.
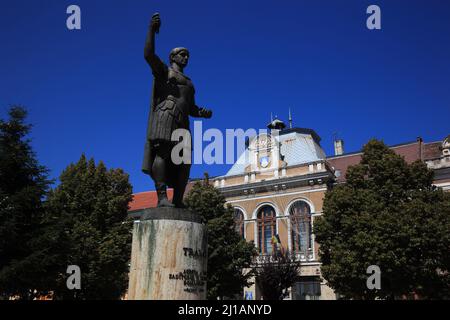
320, 178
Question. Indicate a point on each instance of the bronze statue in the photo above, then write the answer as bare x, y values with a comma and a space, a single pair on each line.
172, 104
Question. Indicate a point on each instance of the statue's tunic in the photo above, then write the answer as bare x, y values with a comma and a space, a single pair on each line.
172, 103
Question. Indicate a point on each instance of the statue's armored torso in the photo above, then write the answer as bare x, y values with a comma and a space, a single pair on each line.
174, 95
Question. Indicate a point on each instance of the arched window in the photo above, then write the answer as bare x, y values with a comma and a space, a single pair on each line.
266, 228
300, 217
239, 221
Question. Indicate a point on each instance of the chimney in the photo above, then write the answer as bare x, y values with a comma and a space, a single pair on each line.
420, 142
338, 147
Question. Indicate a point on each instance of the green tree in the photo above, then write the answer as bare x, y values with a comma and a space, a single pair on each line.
23, 184
86, 225
388, 214
277, 273
230, 257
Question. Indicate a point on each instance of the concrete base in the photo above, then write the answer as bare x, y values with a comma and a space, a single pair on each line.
169, 256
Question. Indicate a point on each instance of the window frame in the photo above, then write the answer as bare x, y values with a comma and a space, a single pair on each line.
262, 223
239, 224
296, 221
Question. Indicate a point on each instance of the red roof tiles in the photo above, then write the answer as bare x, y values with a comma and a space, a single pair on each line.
410, 151
432, 150
148, 199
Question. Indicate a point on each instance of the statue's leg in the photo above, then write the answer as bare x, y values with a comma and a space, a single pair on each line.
180, 185
160, 175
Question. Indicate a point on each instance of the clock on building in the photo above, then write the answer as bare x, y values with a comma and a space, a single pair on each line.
264, 161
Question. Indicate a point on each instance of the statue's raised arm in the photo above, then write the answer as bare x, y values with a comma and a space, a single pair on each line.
149, 49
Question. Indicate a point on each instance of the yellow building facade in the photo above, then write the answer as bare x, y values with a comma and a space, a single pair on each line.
277, 188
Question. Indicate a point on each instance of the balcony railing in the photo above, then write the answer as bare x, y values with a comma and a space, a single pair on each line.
299, 256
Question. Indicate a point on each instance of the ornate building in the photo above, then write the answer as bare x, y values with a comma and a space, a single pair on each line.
277, 188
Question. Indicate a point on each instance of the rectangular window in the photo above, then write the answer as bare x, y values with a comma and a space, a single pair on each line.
308, 288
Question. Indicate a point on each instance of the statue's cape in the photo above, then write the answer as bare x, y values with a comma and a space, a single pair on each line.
146, 164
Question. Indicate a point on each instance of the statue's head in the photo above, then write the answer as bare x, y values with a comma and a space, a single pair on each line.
180, 56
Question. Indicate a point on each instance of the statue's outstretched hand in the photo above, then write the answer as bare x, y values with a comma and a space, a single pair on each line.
206, 113
155, 23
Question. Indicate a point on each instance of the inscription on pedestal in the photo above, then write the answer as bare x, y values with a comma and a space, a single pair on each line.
193, 280
189, 252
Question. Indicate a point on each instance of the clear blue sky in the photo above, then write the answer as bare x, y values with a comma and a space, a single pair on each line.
89, 90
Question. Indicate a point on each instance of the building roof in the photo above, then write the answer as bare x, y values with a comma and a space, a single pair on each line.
147, 199
311, 132
411, 151
432, 150
297, 146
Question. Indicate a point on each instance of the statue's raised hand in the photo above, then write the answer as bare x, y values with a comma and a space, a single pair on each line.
206, 113
155, 23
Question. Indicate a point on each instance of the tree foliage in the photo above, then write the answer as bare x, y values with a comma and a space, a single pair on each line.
276, 274
229, 255
388, 214
23, 184
86, 225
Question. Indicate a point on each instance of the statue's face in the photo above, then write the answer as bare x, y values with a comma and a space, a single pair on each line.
181, 58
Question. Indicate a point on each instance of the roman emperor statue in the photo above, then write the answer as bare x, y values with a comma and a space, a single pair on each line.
171, 105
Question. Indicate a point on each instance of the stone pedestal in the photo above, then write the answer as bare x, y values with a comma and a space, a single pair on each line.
169, 256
